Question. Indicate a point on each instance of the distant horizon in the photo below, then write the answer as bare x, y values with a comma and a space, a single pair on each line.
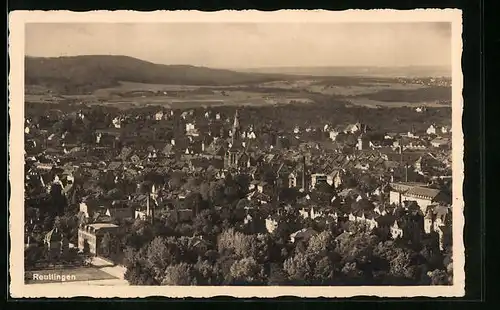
249, 68
250, 45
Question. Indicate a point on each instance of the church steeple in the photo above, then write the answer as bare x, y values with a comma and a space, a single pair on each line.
236, 131
231, 158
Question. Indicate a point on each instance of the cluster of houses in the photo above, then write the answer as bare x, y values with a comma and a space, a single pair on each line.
412, 210
222, 146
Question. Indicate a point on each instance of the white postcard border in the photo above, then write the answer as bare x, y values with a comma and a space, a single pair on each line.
18, 19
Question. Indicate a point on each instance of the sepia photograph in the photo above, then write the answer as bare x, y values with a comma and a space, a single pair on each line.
246, 154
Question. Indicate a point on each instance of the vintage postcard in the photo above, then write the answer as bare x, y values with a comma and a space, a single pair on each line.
236, 153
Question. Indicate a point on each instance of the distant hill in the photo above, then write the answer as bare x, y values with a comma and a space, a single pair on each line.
409, 71
84, 74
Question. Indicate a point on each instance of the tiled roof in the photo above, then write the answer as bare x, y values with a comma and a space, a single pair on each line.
421, 192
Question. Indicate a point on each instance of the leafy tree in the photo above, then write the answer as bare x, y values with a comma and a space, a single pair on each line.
289, 222
175, 181
194, 201
139, 274
145, 187
192, 184
105, 245
300, 268
110, 245
431, 253
247, 271
204, 223
289, 195
159, 256
231, 189
68, 225
32, 254
265, 247
352, 273
277, 275
207, 273
242, 203
401, 264
242, 181
180, 274
321, 244
57, 199
184, 229
324, 272
439, 277
205, 191
217, 193
237, 243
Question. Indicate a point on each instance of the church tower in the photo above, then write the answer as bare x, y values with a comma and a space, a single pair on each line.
236, 131
232, 154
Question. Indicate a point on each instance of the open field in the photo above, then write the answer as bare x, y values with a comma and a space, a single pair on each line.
361, 92
129, 82
365, 102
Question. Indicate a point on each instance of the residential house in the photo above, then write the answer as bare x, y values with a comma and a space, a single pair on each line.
380, 209
396, 230
431, 130
437, 219
318, 178
259, 197
183, 214
88, 206
438, 142
117, 122
294, 180
119, 210
159, 116
364, 143
369, 218
135, 159
333, 135
191, 130
313, 212
271, 224
354, 128
251, 135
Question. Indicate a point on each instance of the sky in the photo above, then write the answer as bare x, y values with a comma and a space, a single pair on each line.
250, 45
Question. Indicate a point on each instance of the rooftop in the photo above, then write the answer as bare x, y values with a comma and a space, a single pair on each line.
98, 226
416, 189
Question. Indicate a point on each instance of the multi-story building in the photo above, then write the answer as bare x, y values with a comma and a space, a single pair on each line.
90, 236
421, 194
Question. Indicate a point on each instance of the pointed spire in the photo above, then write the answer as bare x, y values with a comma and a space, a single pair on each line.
235, 133
236, 123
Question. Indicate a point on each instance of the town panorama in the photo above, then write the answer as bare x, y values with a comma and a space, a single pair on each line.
144, 174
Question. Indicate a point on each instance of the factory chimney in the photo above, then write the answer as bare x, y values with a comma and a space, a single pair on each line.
304, 173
